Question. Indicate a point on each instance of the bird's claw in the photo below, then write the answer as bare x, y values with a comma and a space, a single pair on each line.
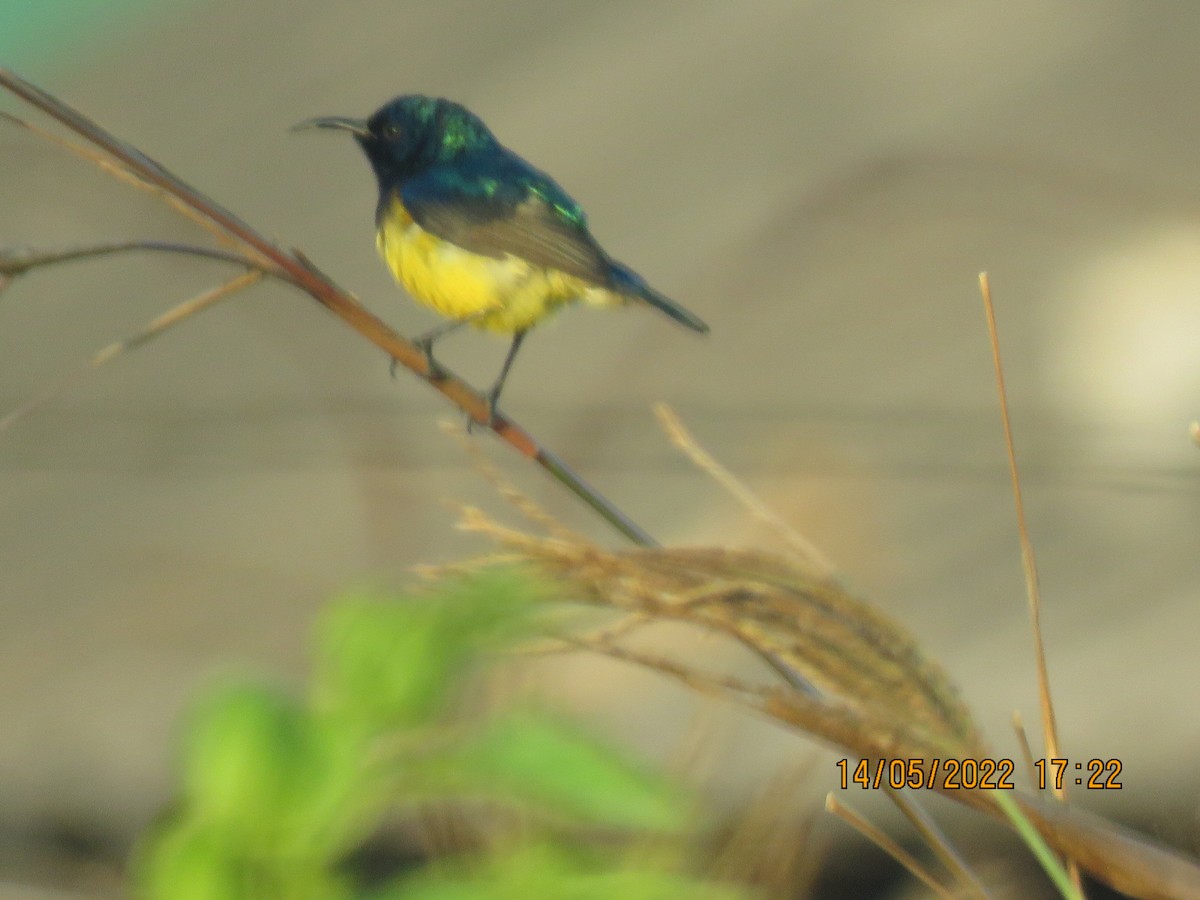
433, 369
492, 417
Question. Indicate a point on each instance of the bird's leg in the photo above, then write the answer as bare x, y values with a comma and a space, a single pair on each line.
425, 343
493, 396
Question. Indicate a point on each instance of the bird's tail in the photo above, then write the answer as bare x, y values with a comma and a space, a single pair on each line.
629, 284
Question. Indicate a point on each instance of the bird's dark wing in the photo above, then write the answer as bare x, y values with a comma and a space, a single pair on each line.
503, 206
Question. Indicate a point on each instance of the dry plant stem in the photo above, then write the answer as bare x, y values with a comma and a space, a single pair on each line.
523, 503
1026, 750
886, 844
766, 845
832, 722
295, 269
869, 675
594, 640
937, 841
661, 584
19, 260
710, 685
156, 327
122, 174
1028, 561
856, 717
1120, 858
704, 461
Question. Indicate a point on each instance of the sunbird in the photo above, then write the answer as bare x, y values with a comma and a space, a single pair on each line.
476, 233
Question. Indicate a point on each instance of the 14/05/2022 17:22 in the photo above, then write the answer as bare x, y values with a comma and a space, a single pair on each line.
971, 774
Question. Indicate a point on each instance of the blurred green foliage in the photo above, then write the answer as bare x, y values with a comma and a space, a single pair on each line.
40, 37
277, 793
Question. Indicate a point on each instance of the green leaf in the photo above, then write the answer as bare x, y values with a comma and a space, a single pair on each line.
384, 663
191, 862
538, 761
277, 780
341, 801
247, 753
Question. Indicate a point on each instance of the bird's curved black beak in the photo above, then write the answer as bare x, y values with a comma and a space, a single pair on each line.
357, 127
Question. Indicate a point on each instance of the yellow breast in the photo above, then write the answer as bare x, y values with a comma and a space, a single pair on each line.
512, 293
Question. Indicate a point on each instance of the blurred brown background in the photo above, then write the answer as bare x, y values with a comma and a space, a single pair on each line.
821, 181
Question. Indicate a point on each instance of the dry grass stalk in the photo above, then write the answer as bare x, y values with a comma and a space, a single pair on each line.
939, 843
853, 678
865, 684
707, 463
885, 843
767, 846
153, 329
127, 176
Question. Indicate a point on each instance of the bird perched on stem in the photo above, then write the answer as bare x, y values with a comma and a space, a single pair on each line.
476, 233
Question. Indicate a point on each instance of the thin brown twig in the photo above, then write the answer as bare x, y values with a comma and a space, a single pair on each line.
607, 636
1028, 561
152, 330
295, 268
462, 568
703, 460
521, 501
937, 841
120, 172
703, 683
16, 261
887, 845
1023, 742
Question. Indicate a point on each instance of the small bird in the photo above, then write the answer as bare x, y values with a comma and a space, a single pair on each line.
476, 233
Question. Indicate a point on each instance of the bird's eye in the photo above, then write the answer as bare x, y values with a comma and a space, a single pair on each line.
391, 130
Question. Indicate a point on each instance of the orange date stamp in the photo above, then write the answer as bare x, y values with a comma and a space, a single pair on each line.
975, 774
1094, 774
927, 774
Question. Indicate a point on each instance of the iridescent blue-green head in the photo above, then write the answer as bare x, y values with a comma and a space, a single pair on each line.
411, 133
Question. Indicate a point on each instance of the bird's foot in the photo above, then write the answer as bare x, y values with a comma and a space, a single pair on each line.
433, 369
492, 411
493, 398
